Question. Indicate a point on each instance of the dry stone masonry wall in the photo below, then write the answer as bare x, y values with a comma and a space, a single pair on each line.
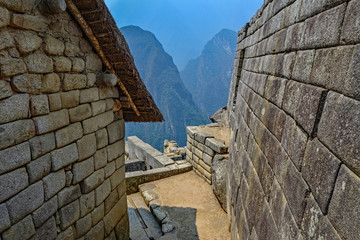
294, 109
61, 145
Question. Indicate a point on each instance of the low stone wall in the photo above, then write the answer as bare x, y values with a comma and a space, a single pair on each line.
201, 149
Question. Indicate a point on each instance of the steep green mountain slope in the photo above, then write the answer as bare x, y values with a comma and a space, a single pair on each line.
162, 79
208, 77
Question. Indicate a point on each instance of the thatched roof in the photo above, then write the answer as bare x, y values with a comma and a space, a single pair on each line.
99, 26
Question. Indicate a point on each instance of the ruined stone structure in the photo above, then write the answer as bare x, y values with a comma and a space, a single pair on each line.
62, 172
294, 109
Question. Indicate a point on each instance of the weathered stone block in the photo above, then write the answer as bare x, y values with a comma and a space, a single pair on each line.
6, 41
108, 92
70, 99
350, 32
68, 134
68, 195
303, 65
91, 79
22, 230
42, 144
68, 178
4, 218
101, 138
39, 105
27, 42
12, 183
93, 181
342, 116
53, 46
5, 89
95, 123
353, 76
71, 50
53, 183
66, 234
266, 227
12, 66
87, 203
275, 89
216, 145
39, 63
324, 29
97, 232
109, 169
80, 113
16, 132
93, 63
78, 65
98, 107
302, 101
201, 137
69, 214
51, 122
86, 146
100, 158
64, 156
25, 202
89, 95
74, 81
116, 131
310, 7
18, 6
98, 214
43, 213
83, 225
115, 150
54, 102
102, 192
39, 168
62, 64
15, 107
47, 231
109, 104
115, 215
83, 169
27, 83
277, 203
14, 157
50, 83
346, 198
5, 17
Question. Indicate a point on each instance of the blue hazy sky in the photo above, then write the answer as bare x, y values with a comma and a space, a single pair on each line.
183, 26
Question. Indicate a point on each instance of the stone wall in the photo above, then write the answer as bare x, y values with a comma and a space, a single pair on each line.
294, 109
62, 172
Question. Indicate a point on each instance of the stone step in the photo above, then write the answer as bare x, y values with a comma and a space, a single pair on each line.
137, 228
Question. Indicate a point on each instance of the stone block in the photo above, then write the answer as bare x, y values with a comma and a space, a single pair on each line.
66, 234
13, 182
190, 130
109, 104
27, 83
102, 139
68, 134
39, 105
83, 225
207, 159
331, 70
39, 168
16, 107
69, 214
6, 41
18, 6
97, 232
16, 132
5, 17
25, 202
93, 63
315, 225
111, 200
302, 101
102, 192
70, 99
68, 178
98, 214
100, 158
86, 146
53, 46
12, 66
341, 115
83, 169
353, 75
40, 145
266, 227
89, 95
275, 89
14, 157
22, 230
109, 92
74, 81
320, 169
116, 131
350, 32
39, 63
121, 188
323, 30
91, 79
43, 213
62, 157
47, 231
4, 218
303, 65
51, 122
87, 203
53, 183
277, 203
80, 113
310, 7
98, 107
201, 137
93, 181
50, 83
115, 150
62, 64
68, 195
27, 41
78, 65
115, 215
216, 145
109, 169
5, 89
54, 102
95, 123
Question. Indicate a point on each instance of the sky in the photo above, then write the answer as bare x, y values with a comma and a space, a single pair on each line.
183, 26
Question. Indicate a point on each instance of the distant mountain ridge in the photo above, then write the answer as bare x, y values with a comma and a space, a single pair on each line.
163, 81
208, 77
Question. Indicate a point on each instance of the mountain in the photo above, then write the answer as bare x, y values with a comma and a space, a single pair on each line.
208, 77
163, 81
